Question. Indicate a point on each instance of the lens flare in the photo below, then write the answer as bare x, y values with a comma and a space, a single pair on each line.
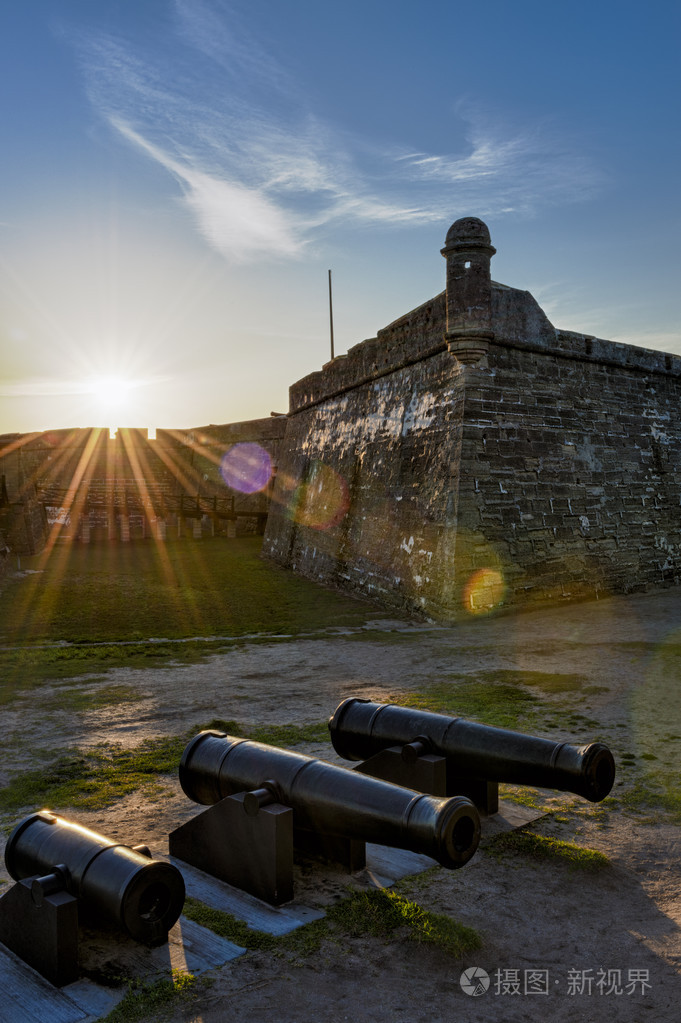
246, 467
483, 591
322, 501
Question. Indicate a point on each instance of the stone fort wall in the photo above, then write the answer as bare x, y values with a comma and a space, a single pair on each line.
87, 485
473, 456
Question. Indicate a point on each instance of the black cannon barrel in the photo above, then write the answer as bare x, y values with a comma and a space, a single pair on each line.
117, 885
361, 728
329, 799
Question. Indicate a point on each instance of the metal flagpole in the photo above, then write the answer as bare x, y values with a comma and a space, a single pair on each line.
331, 315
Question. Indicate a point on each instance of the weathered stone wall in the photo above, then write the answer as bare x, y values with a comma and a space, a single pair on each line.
365, 485
570, 477
83, 476
485, 457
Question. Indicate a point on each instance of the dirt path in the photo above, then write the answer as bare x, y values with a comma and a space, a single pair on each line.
616, 932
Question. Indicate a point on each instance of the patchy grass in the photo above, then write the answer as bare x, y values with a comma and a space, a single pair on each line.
228, 926
143, 1000
381, 912
542, 847
378, 912
23, 670
497, 704
303, 941
545, 681
653, 791
656, 734
78, 699
524, 795
95, 778
598, 813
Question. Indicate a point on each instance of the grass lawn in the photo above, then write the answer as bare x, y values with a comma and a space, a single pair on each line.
141, 590
119, 596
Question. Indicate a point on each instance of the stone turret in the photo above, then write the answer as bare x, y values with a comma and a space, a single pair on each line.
468, 251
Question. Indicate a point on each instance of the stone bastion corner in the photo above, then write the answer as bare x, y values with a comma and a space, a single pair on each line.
472, 456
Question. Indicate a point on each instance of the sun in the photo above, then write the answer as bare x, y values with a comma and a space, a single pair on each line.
111, 398
116, 398
112, 393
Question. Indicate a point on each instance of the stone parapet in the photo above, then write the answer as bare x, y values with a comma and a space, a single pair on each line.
415, 336
518, 322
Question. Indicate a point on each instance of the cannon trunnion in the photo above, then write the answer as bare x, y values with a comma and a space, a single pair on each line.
66, 875
263, 800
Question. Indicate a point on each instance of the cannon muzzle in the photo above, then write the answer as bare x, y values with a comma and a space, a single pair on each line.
328, 799
360, 729
115, 884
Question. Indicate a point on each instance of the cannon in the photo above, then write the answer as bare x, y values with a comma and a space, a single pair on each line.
325, 800
68, 874
361, 730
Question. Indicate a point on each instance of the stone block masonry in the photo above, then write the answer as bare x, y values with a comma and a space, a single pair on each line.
473, 456
574, 483
364, 481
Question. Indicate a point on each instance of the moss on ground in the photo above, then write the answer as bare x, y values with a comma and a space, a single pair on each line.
543, 847
94, 778
377, 912
380, 912
143, 1000
303, 941
97, 777
503, 706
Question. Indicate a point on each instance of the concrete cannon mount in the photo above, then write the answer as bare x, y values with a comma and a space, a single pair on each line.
611, 661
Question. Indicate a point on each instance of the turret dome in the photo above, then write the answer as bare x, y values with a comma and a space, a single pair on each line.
468, 232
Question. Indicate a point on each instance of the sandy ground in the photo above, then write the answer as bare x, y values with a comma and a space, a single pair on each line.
603, 945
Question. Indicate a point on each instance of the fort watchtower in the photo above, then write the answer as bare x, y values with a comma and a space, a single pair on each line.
468, 251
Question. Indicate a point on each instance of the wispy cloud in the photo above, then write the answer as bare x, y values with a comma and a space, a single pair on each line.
238, 220
507, 174
263, 176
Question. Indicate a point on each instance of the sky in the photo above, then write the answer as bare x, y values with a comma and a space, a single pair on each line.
179, 176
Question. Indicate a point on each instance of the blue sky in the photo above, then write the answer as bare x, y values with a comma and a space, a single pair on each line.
179, 175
